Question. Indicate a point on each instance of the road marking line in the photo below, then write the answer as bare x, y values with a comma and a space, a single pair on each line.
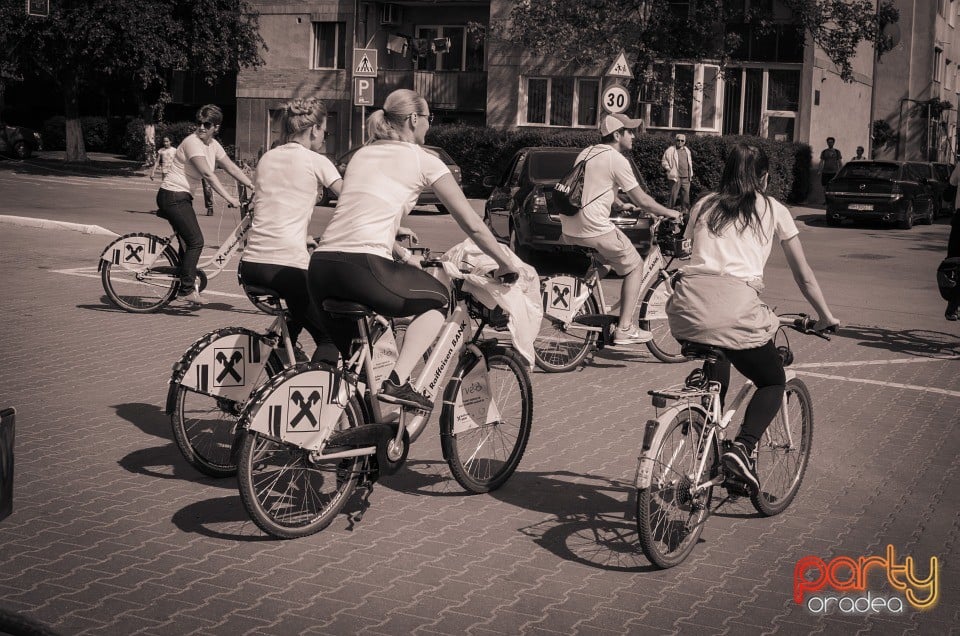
87, 272
893, 385
856, 363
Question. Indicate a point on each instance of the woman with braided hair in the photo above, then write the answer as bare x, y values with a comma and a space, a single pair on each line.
289, 178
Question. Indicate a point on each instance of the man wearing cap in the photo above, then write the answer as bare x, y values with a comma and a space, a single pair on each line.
678, 162
606, 170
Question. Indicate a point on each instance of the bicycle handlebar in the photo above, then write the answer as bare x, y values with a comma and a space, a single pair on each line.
804, 324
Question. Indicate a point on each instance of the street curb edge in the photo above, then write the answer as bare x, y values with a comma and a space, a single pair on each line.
49, 224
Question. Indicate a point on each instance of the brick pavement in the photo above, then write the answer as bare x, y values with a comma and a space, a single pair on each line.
113, 533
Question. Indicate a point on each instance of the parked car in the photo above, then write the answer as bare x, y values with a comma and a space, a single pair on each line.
888, 191
19, 141
948, 201
928, 171
520, 209
427, 197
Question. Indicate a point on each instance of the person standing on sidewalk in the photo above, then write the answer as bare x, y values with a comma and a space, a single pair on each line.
830, 162
164, 159
953, 243
196, 158
606, 170
678, 162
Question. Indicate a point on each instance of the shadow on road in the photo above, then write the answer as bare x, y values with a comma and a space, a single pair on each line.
915, 342
204, 517
55, 168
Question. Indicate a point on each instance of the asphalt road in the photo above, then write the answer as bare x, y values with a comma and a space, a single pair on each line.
113, 533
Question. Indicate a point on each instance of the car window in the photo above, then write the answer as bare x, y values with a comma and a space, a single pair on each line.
869, 170
920, 169
550, 166
513, 173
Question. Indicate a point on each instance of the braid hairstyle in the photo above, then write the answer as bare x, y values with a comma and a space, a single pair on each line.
735, 201
300, 113
387, 122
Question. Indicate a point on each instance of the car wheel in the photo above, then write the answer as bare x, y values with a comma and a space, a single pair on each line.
21, 150
832, 221
442, 209
907, 221
516, 247
324, 199
931, 214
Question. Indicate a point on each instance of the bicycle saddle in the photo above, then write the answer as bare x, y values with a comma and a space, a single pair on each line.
347, 308
256, 290
698, 351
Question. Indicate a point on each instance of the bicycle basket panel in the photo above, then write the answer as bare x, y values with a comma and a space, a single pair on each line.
228, 366
559, 294
671, 244
474, 406
495, 318
134, 251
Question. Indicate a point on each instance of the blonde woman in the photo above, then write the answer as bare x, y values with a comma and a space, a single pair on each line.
354, 260
289, 178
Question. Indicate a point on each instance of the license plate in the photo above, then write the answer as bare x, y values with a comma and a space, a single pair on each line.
860, 206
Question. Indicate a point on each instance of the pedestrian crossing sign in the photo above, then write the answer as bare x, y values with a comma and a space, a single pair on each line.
620, 68
364, 62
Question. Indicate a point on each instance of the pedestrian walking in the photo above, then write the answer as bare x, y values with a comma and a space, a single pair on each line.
164, 159
859, 156
830, 162
678, 163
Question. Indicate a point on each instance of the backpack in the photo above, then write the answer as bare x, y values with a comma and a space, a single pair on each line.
948, 279
568, 192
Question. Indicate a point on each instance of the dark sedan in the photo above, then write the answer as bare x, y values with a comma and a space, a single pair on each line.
948, 201
520, 208
18, 141
888, 191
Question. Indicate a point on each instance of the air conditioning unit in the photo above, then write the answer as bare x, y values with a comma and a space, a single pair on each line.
390, 14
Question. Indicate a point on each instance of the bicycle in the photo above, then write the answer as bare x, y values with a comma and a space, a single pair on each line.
316, 432
140, 271
212, 381
679, 465
577, 319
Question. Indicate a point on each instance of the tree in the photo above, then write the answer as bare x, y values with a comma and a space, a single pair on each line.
83, 42
648, 30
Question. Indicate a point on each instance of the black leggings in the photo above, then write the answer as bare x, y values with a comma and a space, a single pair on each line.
391, 289
291, 284
763, 367
177, 209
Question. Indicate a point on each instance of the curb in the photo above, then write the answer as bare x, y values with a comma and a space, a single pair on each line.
48, 224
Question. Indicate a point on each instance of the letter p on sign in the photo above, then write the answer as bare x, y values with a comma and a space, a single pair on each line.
363, 91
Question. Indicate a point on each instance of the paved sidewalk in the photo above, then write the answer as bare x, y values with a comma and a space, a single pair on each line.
113, 533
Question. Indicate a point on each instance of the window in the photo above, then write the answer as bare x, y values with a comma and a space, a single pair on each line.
937, 65
956, 84
466, 51
948, 76
329, 45
559, 101
684, 96
763, 102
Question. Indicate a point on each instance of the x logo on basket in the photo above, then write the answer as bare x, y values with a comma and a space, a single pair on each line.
304, 405
134, 253
560, 296
229, 365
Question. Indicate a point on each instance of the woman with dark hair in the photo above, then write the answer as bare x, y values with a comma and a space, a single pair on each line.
355, 259
717, 299
289, 179
196, 158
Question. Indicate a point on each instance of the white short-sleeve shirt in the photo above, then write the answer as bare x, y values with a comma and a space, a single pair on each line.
605, 171
381, 186
742, 254
182, 175
288, 183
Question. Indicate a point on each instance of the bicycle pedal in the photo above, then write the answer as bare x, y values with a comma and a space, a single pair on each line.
736, 488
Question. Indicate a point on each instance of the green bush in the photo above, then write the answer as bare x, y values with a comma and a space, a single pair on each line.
132, 143
485, 152
55, 133
96, 133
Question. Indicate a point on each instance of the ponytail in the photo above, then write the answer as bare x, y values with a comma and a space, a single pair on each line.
387, 122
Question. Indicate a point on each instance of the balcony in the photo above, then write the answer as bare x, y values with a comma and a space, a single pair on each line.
444, 90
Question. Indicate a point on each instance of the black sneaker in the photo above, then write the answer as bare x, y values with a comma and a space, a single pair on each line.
404, 395
738, 462
952, 312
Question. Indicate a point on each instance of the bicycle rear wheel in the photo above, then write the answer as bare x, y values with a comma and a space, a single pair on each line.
205, 427
142, 291
483, 454
558, 348
670, 516
653, 318
781, 459
288, 494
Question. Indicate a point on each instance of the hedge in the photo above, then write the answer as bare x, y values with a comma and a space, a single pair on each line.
99, 134
133, 139
485, 152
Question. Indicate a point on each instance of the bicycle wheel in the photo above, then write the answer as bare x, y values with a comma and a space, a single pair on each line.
559, 348
288, 494
782, 460
142, 291
670, 517
205, 427
653, 318
482, 455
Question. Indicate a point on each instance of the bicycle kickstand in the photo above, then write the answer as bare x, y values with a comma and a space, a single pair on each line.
357, 517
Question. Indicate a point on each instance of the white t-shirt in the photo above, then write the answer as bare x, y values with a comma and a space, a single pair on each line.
288, 181
606, 170
182, 175
381, 186
741, 255
166, 157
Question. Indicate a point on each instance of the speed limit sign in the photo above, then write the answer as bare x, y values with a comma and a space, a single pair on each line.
615, 99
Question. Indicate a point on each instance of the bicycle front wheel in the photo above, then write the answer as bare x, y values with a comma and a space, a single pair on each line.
205, 427
784, 451
670, 516
142, 291
287, 493
559, 347
486, 419
653, 318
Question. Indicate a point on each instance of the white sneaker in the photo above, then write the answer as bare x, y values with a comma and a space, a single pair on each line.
634, 335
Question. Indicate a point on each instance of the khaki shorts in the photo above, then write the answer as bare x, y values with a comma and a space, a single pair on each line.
614, 249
